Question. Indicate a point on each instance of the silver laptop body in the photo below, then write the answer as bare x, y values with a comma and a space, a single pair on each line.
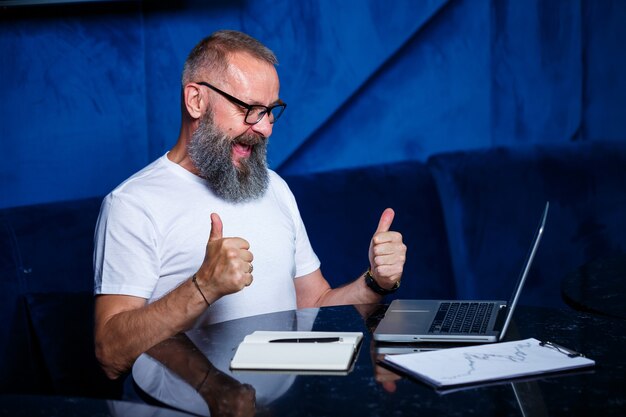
410, 321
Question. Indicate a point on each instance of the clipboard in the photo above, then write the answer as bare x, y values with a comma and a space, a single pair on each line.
446, 369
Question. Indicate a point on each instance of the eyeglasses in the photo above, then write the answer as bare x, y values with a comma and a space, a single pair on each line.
255, 112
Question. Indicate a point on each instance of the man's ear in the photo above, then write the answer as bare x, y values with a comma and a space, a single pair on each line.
194, 101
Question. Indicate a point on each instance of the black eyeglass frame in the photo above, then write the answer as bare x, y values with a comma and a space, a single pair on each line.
249, 107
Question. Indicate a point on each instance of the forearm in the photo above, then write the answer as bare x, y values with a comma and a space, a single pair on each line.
131, 330
355, 292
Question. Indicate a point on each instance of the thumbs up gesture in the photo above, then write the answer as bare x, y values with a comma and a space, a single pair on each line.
387, 253
227, 265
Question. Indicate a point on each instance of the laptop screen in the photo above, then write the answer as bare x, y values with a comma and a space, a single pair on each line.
524, 273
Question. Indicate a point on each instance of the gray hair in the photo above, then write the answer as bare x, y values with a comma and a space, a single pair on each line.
211, 53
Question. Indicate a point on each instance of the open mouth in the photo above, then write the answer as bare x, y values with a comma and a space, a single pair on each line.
242, 150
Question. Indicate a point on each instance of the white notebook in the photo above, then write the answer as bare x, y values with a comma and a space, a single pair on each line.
297, 351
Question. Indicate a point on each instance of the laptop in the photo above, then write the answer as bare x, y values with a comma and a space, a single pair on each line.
459, 321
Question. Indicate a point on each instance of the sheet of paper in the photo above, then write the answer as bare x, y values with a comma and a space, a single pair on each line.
474, 364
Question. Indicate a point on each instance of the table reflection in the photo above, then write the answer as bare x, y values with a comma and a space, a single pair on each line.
191, 371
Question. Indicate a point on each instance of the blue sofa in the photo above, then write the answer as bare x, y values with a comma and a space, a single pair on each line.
46, 301
467, 219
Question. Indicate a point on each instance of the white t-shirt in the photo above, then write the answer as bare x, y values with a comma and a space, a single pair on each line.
153, 229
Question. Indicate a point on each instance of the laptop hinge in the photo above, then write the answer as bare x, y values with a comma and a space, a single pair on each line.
500, 317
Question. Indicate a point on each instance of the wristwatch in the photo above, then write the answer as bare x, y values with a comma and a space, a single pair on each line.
373, 285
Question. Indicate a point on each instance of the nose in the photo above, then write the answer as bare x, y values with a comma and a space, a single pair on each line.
263, 126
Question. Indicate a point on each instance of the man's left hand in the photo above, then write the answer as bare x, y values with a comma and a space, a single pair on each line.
387, 253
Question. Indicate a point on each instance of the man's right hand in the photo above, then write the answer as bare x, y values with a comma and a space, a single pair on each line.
227, 265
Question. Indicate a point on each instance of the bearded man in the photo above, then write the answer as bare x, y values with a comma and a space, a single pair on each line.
155, 272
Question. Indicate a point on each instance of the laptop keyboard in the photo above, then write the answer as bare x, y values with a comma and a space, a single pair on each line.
461, 317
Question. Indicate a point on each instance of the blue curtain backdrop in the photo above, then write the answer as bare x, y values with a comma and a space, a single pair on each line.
89, 93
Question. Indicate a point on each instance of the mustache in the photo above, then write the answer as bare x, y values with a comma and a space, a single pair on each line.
250, 139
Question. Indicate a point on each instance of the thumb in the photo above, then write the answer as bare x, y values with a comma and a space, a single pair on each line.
385, 220
216, 227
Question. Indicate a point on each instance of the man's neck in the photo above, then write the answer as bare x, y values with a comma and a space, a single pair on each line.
178, 154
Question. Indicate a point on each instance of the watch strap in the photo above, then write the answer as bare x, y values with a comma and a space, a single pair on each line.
373, 285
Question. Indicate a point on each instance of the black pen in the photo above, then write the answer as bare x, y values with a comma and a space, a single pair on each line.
308, 340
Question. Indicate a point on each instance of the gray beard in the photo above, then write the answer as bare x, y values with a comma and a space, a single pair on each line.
210, 150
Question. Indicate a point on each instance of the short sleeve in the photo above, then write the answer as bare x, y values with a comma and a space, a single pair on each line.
126, 260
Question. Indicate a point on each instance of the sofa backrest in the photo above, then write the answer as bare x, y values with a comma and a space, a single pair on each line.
52, 245
492, 200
